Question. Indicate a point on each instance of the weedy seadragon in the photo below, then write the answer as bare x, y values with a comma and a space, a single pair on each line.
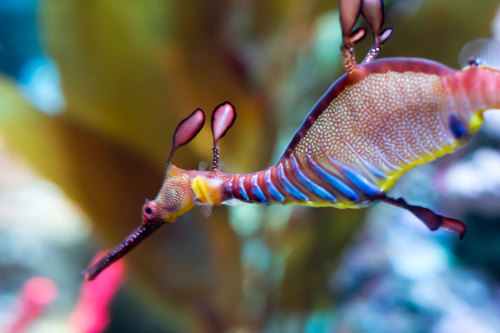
377, 121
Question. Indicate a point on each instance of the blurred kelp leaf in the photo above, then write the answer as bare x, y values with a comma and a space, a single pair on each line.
110, 183
132, 70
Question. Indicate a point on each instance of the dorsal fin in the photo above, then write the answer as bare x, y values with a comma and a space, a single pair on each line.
482, 51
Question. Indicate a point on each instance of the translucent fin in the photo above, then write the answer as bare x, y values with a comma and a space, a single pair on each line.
233, 203
483, 51
206, 210
203, 166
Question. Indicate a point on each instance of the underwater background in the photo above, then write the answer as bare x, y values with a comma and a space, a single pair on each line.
90, 93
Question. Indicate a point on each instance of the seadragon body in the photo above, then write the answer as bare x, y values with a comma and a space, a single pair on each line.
380, 119
371, 127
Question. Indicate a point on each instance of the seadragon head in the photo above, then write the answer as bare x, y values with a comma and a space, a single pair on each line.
174, 198
181, 189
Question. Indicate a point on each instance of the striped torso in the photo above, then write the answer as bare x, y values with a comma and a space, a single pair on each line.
291, 181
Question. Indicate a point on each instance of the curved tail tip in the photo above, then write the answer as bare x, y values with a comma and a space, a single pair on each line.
86, 275
432, 220
454, 225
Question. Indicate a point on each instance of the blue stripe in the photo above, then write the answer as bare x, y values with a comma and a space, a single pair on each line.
375, 171
335, 182
271, 188
241, 187
288, 186
360, 182
309, 184
257, 192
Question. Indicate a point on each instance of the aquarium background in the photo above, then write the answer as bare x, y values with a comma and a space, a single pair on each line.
90, 92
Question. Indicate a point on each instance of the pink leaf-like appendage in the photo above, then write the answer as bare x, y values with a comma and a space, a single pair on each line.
186, 131
222, 119
357, 35
373, 11
36, 295
188, 128
384, 35
349, 13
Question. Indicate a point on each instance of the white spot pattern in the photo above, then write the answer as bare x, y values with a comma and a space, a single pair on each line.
388, 120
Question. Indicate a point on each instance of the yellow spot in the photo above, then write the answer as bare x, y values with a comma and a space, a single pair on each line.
476, 120
207, 190
386, 184
341, 204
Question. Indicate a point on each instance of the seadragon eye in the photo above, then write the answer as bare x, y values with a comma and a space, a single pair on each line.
148, 211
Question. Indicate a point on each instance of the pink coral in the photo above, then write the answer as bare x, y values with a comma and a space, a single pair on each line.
35, 295
91, 313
